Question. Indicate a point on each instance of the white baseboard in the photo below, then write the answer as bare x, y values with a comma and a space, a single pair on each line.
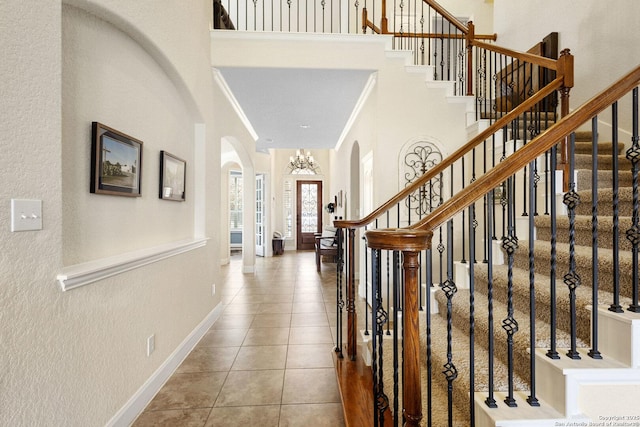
136, 404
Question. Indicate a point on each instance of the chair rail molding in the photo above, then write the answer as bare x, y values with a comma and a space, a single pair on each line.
85, 273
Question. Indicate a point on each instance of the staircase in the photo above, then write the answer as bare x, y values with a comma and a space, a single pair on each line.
618, 363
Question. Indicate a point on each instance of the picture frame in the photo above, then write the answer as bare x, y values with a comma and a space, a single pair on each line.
116, 162
173, 176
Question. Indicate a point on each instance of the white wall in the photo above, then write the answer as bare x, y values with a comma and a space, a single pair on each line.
75, 358
598, 33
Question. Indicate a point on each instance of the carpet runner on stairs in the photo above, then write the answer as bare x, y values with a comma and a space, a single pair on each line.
521, 289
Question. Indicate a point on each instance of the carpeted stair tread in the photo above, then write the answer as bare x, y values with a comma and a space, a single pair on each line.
583, 225
605, 162
605, 179
584, 135
460, 309
605, 202
521, 289
583, 259
585, 146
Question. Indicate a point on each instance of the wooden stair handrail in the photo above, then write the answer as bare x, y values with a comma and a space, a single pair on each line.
460, 152
448, 16
552, 64
538, 146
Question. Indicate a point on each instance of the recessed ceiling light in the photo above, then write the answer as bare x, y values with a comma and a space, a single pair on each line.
305, 126
269, 140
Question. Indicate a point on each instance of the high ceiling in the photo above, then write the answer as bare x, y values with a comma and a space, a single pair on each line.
295, 107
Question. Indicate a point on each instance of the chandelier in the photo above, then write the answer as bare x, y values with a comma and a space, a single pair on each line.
302, 163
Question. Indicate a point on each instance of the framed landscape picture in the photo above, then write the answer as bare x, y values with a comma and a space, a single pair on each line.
116, 162
173, 173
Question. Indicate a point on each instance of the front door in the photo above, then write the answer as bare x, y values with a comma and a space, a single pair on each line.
308, 213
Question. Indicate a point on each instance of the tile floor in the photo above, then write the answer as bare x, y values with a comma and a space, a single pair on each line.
268, 359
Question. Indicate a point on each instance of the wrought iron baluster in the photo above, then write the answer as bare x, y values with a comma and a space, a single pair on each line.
429, 364
366, 283
397, 289
463, 242
572, 278
487, 218
593, 352
532, 399
490, 401
339, 293
472, 319
552, 353
615, 229
381, 400
449, 288
390, 301
633, 234
510, 324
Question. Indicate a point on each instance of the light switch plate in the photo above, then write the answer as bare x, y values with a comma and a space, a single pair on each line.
26, 215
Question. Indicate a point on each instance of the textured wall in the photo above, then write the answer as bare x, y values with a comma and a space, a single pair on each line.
75, 358
598, 33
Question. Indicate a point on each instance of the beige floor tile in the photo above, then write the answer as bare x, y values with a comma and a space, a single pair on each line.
250, 388
243, 416
250, 299
297, 389
276, 308
260, 357
322, 414
273, 320
308, 307
223, 338
189, 390
267, 336
310, 356
279, 298
299, 297
310, 335
309, 319
235, 308
209, 359
233, 321
173, 418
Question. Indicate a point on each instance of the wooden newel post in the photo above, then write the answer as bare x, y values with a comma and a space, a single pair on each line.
471, 34
565, 68
410, 242
411, 389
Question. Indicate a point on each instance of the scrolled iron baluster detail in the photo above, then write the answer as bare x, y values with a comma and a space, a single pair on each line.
633, 234
490, 401
510, 324
552, 352
572, 279
380, 317
450, 371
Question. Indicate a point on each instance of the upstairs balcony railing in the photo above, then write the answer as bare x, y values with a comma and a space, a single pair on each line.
432, 35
